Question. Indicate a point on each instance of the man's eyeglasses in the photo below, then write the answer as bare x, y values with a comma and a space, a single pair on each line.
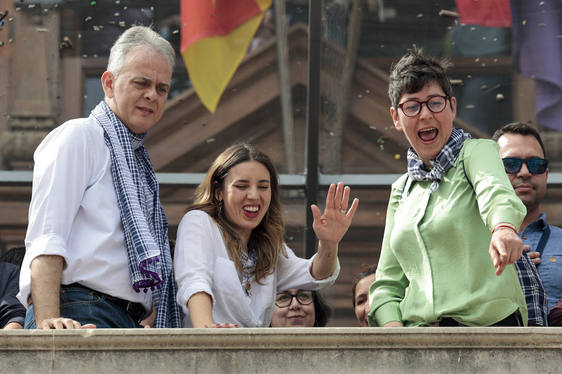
536, 165
284, 299
435, 104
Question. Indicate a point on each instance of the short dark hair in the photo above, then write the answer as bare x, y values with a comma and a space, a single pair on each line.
413, 72
519, 128
371, 269
13, 256
322, 311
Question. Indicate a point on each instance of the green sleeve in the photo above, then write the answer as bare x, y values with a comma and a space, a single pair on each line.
390, 284
496, 198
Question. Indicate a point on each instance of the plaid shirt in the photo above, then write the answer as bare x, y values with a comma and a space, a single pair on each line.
533, 289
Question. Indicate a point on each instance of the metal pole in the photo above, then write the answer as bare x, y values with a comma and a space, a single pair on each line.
313, 117
334, 143
285, 85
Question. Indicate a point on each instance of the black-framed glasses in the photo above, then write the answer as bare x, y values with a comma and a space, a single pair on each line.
536, 165
435, 104
284, 299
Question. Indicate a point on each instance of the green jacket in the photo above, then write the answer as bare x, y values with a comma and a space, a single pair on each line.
434, 260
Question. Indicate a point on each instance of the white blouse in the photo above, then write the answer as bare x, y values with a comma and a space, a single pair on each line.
202, 264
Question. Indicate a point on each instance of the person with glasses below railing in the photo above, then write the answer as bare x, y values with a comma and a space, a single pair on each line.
300, 308
451, 213
524, 158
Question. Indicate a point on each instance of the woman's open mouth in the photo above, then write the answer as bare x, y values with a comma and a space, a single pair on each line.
428, 135
251, 211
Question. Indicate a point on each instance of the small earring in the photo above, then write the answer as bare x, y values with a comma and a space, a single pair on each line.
220, 206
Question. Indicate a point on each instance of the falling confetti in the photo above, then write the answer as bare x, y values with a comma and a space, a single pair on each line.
448, 13
397, 156
66, 43
470, 106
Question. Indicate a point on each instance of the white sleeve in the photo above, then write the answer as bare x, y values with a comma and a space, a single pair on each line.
194, 256
64, 164
61, 175
294, 272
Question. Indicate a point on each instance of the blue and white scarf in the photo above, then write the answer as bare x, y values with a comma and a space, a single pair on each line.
144, 224
443, 162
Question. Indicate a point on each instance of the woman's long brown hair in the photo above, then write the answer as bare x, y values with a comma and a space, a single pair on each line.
267, 237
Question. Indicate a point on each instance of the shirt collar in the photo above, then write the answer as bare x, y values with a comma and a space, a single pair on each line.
542, 221
539, 224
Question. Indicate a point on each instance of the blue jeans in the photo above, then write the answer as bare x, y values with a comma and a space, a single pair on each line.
84, 307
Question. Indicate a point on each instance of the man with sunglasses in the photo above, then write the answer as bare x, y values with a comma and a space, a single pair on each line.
524, 158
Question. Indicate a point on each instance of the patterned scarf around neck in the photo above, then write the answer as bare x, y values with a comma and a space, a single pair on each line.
443, 162
145, 229
249, 261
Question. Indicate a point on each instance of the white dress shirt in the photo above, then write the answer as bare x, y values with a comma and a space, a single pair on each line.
74, 213
202, 264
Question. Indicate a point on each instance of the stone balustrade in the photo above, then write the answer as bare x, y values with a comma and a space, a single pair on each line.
312, 350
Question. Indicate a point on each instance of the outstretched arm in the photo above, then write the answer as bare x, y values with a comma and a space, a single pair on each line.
330, 227
505, 246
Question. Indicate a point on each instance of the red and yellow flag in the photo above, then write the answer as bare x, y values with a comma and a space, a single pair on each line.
215, 35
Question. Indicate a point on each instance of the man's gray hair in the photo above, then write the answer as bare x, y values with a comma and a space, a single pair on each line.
134, 37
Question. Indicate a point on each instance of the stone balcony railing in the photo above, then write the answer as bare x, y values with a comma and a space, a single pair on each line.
315, 350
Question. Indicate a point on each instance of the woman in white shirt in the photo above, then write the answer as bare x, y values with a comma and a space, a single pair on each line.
230, 258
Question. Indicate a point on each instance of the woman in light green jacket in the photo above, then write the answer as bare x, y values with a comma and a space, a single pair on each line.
451, 238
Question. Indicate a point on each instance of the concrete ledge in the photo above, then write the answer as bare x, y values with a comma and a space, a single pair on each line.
316, 350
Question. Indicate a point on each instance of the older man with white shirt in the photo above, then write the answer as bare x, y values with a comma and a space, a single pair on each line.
97, 242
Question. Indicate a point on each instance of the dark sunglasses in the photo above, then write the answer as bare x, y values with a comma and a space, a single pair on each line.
535, 165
